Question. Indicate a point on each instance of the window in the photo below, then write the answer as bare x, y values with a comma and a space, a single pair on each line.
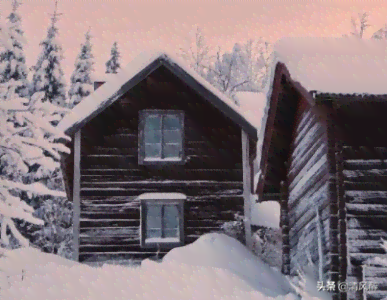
162, 219
161, 136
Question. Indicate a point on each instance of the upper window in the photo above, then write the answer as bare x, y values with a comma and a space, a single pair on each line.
161, 136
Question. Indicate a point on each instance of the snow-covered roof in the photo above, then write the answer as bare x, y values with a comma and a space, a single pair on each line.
134, 72
252, 104
345, 65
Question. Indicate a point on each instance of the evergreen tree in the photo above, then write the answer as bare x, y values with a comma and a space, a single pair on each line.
12, 60
81, 83
113, 64
49, 76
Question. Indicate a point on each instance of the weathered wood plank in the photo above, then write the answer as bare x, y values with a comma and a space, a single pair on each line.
132, 214
76, 193
92, 223
366, 234
358, 164
125, 232
365, 222
366, 209
119, 255
366, 197
376, 295
108, 240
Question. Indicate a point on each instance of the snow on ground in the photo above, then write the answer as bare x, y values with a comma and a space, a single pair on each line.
214, 267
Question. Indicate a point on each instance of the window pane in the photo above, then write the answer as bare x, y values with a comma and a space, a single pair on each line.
170, 233
171, 122
152, 122
172, 150
172, 136
153, 220
152, 150
171, 217
152, 136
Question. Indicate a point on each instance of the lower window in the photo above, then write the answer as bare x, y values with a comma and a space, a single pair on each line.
162, 219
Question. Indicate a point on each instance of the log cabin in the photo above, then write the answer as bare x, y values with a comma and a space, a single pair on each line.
322, 153
159, 157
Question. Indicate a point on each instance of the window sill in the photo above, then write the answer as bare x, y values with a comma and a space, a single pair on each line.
162, 244
161, 162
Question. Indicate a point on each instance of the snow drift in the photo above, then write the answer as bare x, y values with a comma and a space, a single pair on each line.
214, 267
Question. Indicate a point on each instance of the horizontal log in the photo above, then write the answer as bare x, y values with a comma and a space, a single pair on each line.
366, 222
191, 174
366, 209
111, 208
119, 255
216, 185
92, 223
376, 295
366, 197
358, 259
110, 248
121, 140
110, 178
366, 235
132, 214
202, 214
200, 230
359, 164
375, 272
125, 232
99, 150
366, 175
358, 153
192, 223
106, 240
365, 246
365, 186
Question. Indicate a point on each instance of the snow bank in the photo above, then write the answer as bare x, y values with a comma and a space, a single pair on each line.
266, 214
214, 267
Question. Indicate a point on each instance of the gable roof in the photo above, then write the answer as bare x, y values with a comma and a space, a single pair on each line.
147, 62
323, 65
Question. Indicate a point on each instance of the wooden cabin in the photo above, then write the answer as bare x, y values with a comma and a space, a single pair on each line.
323, 156
159, 158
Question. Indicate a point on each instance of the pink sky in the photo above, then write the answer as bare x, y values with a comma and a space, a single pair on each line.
138, 24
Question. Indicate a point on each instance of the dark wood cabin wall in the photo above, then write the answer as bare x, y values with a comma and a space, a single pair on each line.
111, 178
365, 171
307, 186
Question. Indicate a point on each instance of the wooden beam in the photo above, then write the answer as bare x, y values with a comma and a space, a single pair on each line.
76, 193
246, 188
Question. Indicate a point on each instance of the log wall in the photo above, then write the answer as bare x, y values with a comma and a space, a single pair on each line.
308, 189
111, 177
365, 186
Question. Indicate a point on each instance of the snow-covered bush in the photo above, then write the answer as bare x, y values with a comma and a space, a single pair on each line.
267, 245
235, 229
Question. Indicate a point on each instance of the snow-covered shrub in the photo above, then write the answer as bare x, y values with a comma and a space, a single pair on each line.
267, 245
235, 229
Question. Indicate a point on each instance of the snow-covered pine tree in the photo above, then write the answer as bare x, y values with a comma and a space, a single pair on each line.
27, 139
48, 74
12, 60
81, 83
113, 64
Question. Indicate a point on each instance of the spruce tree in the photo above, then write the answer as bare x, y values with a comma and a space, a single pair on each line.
13, 69
113, 64
49, 77
81, 83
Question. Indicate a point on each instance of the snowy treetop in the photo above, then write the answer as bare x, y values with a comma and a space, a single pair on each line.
100, 97
346, 65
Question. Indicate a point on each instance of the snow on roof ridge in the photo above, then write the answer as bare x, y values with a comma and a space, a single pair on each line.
144, 59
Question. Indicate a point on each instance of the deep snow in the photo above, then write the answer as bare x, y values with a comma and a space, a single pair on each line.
214, 267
